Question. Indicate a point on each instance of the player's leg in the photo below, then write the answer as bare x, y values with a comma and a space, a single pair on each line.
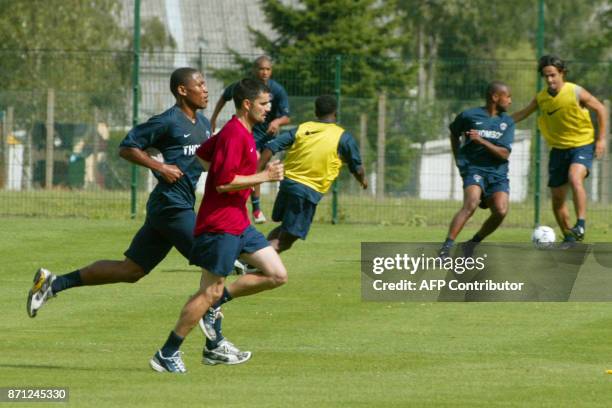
216, 253
147, 249
471, 198
168, 357
581, 162
558, 171
558, 197
296, 214
498, 204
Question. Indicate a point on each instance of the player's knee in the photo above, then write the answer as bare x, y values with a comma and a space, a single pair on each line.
279, 276
500, 210
470, 207
575, 180
132, 272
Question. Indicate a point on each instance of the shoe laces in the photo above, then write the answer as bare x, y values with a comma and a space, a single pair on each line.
177, 360
229, 347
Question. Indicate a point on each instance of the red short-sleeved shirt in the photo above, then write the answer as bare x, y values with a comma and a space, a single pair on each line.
230, 153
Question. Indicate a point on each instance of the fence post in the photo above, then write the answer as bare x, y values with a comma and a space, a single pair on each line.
50, 137
337, 85
380, 146
363, 138
96, 145
605, 164
5, 153
135, 93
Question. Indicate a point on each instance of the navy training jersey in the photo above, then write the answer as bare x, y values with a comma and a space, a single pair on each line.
177, 138
498, 130
280, 104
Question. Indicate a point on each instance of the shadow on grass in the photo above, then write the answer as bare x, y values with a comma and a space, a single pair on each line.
67, 367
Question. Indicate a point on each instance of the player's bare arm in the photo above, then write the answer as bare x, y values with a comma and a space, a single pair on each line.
592, 103
274, 171
497, 151
361, 177
205, 164
218, 107
454, 146
525, 112
275, 125
264, 158
169, 172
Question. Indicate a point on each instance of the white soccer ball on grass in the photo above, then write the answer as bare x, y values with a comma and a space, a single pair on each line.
543, 237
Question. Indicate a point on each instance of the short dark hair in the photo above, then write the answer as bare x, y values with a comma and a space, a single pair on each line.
248, 88
259, 59
552, 60
493, 88
325, 105
180, 76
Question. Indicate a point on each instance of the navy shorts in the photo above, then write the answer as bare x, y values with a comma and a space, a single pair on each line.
489, 183
216, 252
170, 228
560, 160
295, 212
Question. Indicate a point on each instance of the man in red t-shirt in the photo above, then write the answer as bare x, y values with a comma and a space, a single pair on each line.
223, 230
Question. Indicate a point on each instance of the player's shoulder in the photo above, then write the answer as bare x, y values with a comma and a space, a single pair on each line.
201, 117
475, 111
505, 118
275, 87
168, 114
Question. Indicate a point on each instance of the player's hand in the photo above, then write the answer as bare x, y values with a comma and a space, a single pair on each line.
600, 148
473, 136
364, 184
273, 128
170, 173
275, 170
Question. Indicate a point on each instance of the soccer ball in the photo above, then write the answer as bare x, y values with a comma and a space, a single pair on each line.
543, 237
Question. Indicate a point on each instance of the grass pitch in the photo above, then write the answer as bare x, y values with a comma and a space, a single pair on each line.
315, 343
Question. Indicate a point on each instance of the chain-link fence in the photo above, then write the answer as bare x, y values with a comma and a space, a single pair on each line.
63, 115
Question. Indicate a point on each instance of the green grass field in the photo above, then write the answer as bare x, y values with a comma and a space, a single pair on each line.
315, 343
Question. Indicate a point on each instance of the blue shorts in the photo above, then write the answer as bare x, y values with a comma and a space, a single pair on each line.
170, 228
295, 212
560, 160
216, 252
489, 183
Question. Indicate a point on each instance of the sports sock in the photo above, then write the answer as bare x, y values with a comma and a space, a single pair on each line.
172, 344
580, 222
225, 297
69, 280
568, 237
476, 238
448, 243
255, 203
214, 344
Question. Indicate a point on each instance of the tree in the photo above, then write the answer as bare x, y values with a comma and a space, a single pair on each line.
310, 36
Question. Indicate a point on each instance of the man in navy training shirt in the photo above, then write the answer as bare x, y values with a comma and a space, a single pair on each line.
268, 129
481, 140
170, 221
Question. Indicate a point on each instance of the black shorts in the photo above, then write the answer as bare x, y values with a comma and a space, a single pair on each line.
171, 228
295, 212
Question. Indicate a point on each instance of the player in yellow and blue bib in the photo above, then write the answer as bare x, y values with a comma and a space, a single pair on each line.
565, 123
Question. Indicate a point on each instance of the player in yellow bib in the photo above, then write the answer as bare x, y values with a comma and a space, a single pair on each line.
565, 123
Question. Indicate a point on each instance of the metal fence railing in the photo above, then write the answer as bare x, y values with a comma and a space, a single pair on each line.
63, 114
